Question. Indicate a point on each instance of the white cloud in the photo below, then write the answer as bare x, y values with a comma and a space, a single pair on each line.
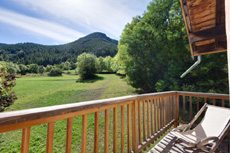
45, 28
109, 16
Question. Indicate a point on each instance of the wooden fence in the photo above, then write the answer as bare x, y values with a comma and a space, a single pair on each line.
148, 116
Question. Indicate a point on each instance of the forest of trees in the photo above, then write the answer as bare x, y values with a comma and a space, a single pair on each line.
153, 51
29, 53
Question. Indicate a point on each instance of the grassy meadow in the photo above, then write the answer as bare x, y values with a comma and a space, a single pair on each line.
42, 91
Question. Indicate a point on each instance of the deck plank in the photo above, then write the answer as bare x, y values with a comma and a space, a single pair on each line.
168, 145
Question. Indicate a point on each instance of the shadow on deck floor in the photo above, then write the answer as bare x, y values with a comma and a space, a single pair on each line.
168, 145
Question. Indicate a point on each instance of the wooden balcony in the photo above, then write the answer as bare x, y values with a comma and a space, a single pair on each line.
143, 119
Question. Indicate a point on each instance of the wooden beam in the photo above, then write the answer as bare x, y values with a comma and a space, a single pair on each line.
217, 50
215, 32
187, 21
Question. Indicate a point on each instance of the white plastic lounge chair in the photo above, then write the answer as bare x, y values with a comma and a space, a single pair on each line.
209, 133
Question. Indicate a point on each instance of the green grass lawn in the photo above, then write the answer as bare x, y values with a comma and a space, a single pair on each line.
44, 91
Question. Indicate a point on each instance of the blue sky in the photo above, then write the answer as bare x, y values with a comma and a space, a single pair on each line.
52, 22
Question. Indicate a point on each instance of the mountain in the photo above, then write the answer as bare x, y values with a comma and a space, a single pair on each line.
26, 53
1, 44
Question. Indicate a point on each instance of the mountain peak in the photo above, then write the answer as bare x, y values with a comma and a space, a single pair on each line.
96, 43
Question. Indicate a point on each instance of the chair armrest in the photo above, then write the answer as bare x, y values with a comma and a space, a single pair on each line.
200, 144
181, 127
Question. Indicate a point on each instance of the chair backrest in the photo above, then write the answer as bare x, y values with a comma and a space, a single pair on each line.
214, 122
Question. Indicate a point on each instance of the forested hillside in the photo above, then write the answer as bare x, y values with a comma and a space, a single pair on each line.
28, 53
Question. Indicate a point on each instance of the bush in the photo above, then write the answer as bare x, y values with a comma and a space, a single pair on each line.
33, 68
86, 66
7, 95
55, 72
48, 68
41, 69
23, 69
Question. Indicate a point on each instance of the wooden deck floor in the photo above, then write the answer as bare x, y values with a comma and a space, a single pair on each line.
168, 145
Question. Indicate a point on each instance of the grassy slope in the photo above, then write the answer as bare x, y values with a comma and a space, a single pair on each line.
46, 91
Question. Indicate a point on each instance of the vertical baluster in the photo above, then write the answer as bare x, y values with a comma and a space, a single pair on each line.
214, 101
163, 109
139, 121
205, 99
69, 135
129, 127
176, 103
122, 129
84, 134
152, 122
50, 136
115, 129
106, 143
223, 104
144, 122
155, 114
158, 115
161, 112
96, 131
167, 110
174, 108
183, 108
135, 125
148, 120
190, 105
197, 104
25, 140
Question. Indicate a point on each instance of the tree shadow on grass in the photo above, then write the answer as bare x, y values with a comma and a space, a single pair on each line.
91, 80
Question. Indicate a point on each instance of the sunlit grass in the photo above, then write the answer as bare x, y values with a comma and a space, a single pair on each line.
44, 91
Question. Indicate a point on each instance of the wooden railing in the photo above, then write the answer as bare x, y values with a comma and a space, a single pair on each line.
191, 102
137, 121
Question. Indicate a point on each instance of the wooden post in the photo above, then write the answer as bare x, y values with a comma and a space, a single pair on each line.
227, 22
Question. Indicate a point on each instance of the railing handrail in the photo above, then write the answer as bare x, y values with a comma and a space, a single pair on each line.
13, 117
201, 94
